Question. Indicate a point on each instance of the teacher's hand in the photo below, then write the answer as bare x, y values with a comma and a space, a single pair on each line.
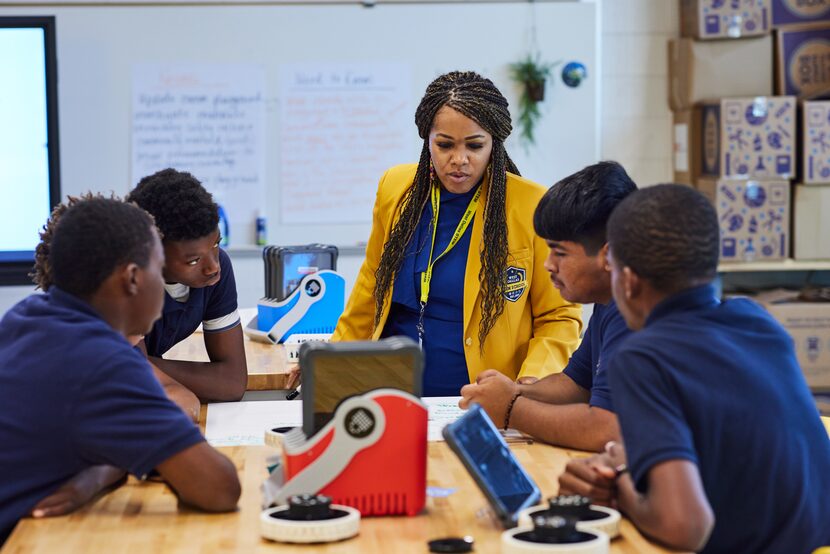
493, 391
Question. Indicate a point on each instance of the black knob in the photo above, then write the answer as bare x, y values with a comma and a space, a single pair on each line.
570, 506
309, 507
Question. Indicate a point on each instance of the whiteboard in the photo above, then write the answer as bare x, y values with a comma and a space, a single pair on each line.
98, 46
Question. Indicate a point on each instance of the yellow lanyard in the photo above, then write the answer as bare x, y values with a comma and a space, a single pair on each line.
435, 197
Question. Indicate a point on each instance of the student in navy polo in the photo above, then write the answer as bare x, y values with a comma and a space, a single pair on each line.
199, 287
42, 277
573, 408
724, 446
79, 405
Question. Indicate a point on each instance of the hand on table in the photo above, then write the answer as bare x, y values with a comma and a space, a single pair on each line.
293, 378
493, 391
79, 490
595, 476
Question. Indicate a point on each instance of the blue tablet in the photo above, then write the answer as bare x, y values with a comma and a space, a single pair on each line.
496, 471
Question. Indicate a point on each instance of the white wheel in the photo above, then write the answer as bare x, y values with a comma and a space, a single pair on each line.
327, 530
610, 525
512, 545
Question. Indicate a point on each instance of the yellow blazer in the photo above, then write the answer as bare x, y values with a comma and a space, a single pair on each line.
537, 332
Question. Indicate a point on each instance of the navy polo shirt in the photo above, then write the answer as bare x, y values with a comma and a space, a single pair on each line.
718, 384
588, 365
73, 394
445, 367
180, 319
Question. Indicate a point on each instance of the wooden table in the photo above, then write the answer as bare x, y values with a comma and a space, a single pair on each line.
266, 362
144, 517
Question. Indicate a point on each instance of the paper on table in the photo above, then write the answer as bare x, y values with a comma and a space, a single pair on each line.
444, 410
245, 423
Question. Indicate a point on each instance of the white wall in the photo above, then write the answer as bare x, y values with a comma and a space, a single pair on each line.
635, 125
635, 119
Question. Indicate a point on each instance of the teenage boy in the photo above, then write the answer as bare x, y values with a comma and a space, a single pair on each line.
573, 408
42, 277
199, 287
725, 449
77, 400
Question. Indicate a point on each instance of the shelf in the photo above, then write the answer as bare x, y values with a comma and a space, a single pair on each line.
780, 265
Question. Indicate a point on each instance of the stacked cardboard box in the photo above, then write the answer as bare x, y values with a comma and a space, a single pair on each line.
738, 134
808, 323
716, 19
811, 204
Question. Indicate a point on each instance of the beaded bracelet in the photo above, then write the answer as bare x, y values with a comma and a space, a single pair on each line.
510, 410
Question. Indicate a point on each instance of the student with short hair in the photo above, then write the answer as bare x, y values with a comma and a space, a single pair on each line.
572, 408
724, 449
77, 400
42, 277
199, 287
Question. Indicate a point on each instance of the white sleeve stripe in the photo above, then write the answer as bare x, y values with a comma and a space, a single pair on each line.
221, 323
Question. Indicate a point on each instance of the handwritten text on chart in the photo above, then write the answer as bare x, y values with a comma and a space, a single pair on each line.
342, 126
208, 120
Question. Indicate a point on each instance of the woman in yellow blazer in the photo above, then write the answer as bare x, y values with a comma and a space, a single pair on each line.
472, 287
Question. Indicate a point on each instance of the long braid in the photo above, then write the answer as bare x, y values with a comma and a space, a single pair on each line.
413, 203
477, 98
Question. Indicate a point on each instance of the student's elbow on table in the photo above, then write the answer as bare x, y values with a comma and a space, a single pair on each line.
686, 531
225, 491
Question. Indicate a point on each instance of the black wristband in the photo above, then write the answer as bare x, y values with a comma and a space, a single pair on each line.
619, 470
510, 410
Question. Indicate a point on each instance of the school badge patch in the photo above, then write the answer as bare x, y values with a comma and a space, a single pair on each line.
515, 283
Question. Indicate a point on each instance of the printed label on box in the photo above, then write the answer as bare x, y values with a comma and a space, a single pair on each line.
754, 219
733, 18
681, 147
757, 137
804, 59
787, 12
817, 142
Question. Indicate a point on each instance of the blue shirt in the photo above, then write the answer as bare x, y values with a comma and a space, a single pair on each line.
180, 319
73, 394
588, 365
445, 367
718, 384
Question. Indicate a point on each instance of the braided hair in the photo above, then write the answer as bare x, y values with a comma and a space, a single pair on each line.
477, 98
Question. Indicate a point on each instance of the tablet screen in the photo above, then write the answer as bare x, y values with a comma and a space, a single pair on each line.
491, 463
297, 265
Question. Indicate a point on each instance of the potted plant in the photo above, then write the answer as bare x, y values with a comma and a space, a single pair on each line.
531, 74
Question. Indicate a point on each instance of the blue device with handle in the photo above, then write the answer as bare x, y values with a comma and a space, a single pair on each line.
313, 308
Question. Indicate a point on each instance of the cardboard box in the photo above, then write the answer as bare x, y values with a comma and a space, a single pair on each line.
802, 61
686, 153
811, 222
815, 128
748, 138
713, 19
697, 70
789, 12
808, 323
754, 218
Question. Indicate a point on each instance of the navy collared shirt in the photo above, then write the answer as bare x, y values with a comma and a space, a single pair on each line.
445, 367
73, 394
588, 365
179, 319
718, 384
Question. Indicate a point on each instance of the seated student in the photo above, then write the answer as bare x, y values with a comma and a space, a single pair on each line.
76, 399
42, 277
725, 449
572, 408
199, 287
